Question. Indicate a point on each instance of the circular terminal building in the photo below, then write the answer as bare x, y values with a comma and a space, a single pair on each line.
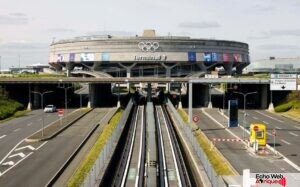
149, 55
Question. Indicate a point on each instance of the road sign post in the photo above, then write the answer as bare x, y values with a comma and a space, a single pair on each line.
274, 135
61, 114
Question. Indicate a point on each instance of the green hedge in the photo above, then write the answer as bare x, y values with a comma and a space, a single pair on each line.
287, 106
8, 107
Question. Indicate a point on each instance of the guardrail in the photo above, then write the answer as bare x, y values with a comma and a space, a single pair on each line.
91, 178
215, 179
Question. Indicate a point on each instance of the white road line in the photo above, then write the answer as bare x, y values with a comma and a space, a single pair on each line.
18, 154
269, 116
297, 127
11, 151
10, 163
29, 124
41, 145
2, 136
293, 134
278, 128
285, 141
40, 119
28, 146
17, 130
16, 164
255, 118
265, 122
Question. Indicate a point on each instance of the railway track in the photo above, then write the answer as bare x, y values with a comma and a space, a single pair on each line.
151, 155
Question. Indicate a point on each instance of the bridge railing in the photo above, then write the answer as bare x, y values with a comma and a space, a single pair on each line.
91, 178
216, 180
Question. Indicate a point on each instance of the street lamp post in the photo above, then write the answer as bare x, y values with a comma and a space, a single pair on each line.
244, 119
66, 95
42, 105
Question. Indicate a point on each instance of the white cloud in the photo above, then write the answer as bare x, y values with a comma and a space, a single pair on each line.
200, 25
14, 19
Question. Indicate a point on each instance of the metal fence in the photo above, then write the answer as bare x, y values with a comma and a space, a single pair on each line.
216, 181
91, 178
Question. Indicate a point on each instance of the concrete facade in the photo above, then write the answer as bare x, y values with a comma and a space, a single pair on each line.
106, 53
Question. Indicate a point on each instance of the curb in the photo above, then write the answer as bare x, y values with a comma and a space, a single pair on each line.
28, 140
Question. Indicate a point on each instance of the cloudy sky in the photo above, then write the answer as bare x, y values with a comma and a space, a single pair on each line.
270, 27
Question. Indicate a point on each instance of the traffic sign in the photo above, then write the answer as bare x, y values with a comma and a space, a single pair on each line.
196, 119
60, 112
274, 132
283, 76
255, 128
283, 84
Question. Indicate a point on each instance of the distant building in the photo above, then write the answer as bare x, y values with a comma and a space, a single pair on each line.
274, 65
30, 69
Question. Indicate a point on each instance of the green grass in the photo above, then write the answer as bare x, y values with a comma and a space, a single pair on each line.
15, 115
287, 106
217, 161
90, 159
9, 107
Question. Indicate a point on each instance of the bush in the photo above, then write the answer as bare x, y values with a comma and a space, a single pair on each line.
287, 106
8, 107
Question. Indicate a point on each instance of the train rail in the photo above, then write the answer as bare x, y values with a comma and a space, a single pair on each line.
151, 155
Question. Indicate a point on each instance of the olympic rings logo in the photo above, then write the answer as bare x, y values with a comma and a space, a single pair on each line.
148, 46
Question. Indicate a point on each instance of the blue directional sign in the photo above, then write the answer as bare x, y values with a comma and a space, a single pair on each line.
233, 113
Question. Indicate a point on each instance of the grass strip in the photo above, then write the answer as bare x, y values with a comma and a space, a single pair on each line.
218, 162
78, 177
15, 115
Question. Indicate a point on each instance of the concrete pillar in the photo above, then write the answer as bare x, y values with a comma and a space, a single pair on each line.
180, 103
271, 106
228, 67
149, 93
36, 97
240, 67
29, 105
190, 91
264, 96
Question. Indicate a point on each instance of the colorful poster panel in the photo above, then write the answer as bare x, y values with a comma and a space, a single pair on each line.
60, 58
72, 57
207, 57
226, 57
192, 57
86, 57
237, 58
105, 57
214, 57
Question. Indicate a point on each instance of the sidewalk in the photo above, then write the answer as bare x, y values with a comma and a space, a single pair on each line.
58, 126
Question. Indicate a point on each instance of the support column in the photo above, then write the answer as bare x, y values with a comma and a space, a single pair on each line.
190, 102
128, 71
264, 96
228, 67
271, 106
180, 103
149, 93
168, 73
36, 97
29, 106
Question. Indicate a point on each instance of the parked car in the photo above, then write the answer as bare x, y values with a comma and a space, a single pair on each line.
50, 108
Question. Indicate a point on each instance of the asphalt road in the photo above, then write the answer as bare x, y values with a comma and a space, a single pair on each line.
39, 167
287, 140
235, 152
13, 131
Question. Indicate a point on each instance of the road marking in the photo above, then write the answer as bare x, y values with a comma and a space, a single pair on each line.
11, 151
10, 163
269, 116
283, 169
297, 127
285, 141
18, 154
278, 128
293, 134
29, 124
17, 130
41, 145
16, 164
28, 146
2, 136
255, 118
266, 122
40, 119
